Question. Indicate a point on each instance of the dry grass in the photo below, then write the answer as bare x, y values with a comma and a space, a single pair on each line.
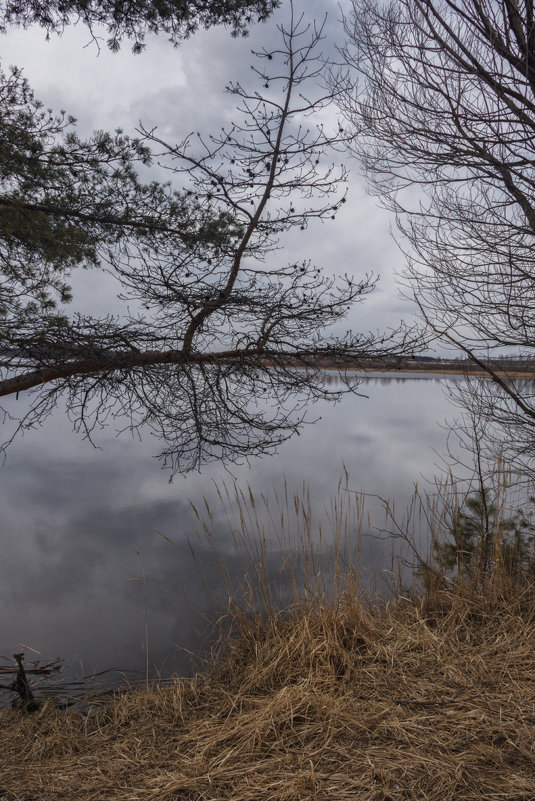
333, 701
421, 698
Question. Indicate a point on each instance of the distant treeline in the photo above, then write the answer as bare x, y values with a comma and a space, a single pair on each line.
514, 363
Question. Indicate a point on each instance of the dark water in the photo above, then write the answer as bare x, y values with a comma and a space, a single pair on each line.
84, 569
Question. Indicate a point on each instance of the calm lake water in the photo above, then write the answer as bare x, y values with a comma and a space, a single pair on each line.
84, 568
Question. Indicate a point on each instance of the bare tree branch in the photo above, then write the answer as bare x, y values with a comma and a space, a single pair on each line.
222, 344
444, 123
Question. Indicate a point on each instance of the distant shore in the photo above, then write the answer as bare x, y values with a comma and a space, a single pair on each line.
442, 371
427, 370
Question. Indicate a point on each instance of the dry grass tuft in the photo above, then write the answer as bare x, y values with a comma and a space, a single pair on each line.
428, 697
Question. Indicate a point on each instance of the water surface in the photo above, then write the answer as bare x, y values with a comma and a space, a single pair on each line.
84, 567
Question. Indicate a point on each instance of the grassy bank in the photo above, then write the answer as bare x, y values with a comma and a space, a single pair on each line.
336, 697
419, 699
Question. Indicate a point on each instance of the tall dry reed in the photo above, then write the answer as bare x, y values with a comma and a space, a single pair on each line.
341, 694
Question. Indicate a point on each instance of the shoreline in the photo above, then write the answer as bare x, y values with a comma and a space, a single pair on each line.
429, 371
337, 701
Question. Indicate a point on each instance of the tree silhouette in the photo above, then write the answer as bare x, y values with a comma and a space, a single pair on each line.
136, 18
215, 324
442, 103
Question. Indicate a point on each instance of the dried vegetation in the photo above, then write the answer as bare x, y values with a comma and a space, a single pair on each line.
337, 697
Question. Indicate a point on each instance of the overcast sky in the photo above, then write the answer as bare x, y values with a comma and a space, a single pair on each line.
182, 90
